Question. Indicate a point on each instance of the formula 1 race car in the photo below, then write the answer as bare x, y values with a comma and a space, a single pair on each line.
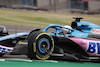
55, 41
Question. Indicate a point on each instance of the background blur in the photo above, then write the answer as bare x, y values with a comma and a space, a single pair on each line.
73, 6
41, 13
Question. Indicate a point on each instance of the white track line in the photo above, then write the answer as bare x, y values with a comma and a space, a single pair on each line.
13, 59
47, 61
2, 59
51, 61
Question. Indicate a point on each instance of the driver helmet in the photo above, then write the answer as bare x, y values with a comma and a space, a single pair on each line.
67, 26
66, 29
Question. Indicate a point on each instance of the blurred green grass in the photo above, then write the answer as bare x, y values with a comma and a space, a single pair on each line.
40, 19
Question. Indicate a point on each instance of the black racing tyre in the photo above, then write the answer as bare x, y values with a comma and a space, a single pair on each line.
40, 45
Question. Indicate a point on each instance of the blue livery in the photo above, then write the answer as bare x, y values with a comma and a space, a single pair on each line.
13, 36
85, 27
59, 29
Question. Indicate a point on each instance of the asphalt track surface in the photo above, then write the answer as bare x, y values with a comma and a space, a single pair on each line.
23, 61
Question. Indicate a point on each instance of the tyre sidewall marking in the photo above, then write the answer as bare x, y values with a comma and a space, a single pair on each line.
34, 46
42, 58
41, 34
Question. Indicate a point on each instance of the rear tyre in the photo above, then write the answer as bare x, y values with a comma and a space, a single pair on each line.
40, 45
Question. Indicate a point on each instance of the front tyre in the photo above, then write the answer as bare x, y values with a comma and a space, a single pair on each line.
40, 45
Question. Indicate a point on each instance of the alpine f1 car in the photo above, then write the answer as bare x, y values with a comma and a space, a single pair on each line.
53, 41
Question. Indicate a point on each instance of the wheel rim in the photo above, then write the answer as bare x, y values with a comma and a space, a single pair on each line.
44, 46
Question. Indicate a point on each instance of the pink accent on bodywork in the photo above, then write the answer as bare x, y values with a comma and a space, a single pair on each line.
80, 42
84, 43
